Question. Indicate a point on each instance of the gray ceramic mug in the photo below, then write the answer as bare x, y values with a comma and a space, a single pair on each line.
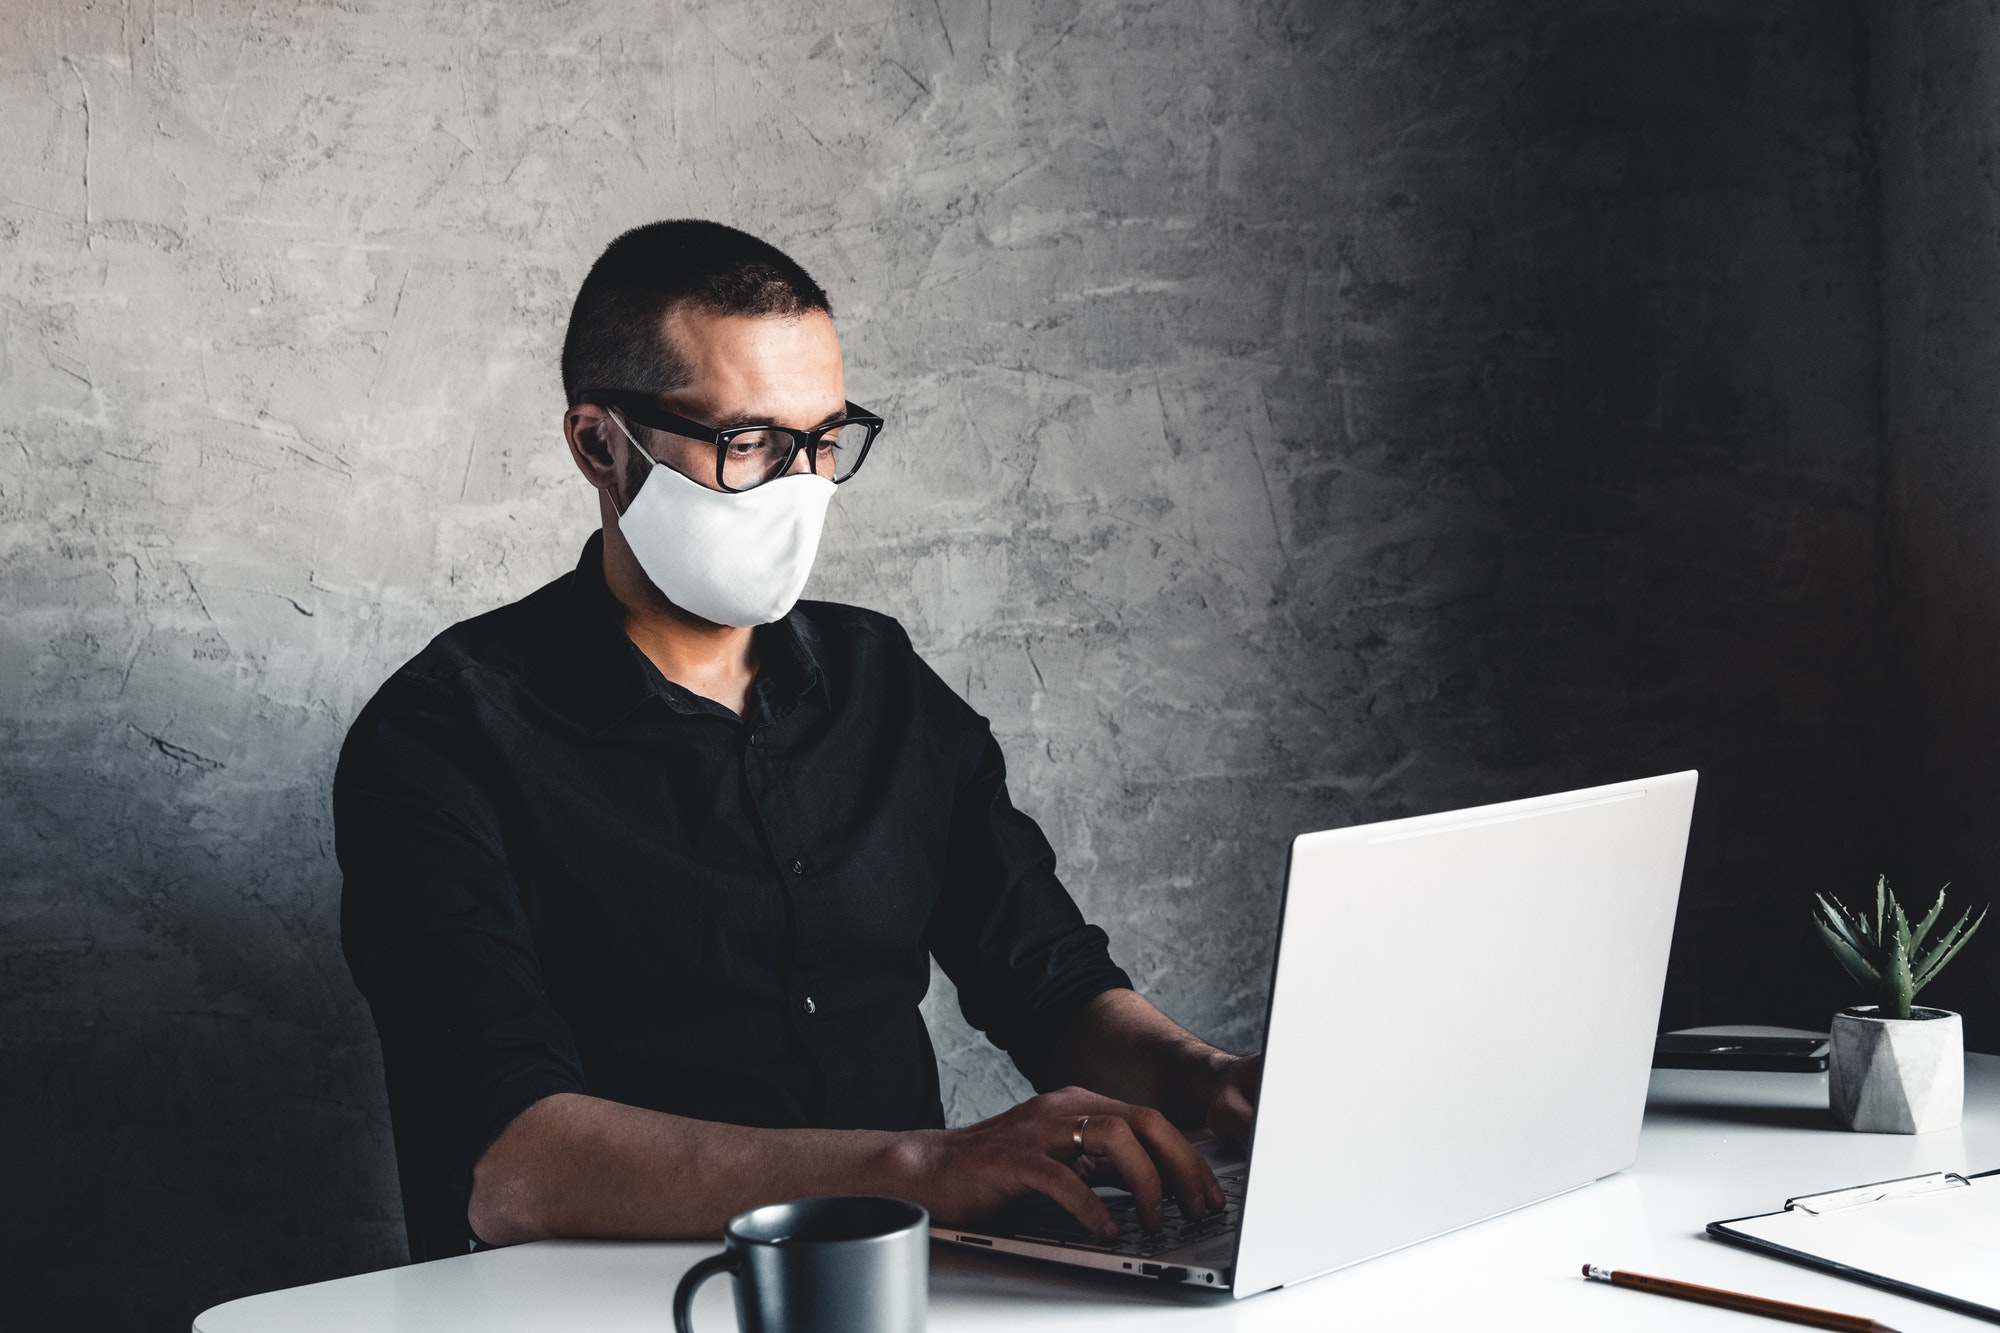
838, 1265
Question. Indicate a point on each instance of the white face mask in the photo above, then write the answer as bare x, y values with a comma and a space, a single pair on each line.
736, 558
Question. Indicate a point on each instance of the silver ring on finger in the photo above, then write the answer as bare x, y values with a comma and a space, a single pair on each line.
1076, 1135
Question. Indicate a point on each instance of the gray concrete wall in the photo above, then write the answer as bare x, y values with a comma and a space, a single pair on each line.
1935, 112
1301, 414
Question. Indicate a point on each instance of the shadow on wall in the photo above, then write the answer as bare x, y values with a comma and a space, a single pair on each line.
194, 1090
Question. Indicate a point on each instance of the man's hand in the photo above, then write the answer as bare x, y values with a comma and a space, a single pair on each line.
962, 1175
1229, 1092
1121, 1044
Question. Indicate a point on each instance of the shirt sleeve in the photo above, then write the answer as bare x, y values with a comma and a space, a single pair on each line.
438, 941
1005, 930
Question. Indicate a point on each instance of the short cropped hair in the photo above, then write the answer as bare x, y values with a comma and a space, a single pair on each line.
617, 336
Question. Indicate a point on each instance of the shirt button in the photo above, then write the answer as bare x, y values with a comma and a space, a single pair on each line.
810, 1007
756, 738
798, 867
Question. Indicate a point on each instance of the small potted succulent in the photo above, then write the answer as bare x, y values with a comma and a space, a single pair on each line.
1894, 1067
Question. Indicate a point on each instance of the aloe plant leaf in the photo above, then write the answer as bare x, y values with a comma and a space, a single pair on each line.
1881, 891
1899, 987
1858, 928
1900, 942
1928, 964
1862, 930
1850, 958
1930, 919
1842, 924
1938, 966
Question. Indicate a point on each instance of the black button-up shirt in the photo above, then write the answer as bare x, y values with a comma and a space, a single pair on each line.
565, 873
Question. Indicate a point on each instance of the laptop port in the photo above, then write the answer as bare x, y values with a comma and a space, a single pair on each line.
1166, 1273
976, 1240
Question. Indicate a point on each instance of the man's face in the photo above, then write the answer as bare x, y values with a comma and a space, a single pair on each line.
773, 370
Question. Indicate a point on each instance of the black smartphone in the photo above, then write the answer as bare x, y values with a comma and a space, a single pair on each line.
1691, 1050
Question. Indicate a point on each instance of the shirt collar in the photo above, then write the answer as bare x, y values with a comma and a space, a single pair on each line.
614, 678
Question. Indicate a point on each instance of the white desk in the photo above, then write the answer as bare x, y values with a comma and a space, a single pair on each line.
1715, 1145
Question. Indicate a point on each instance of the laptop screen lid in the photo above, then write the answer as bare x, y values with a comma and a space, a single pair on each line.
1461, 1020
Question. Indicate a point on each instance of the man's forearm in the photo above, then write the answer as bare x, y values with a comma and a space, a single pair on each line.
572, 1165
1123, 1047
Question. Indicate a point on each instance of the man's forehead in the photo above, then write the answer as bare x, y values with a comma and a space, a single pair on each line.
756, 365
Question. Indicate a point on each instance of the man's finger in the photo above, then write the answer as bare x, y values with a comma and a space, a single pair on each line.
1251, 1079
1194, 1179
1057, 1181
1110, 1138
1231, 1115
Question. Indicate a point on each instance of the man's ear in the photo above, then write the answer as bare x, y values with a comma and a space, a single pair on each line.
594, 444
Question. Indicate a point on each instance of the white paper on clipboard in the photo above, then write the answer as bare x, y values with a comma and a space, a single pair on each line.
1935, 1237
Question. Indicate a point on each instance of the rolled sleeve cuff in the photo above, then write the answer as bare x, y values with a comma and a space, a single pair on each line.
1077, 969
459, 1125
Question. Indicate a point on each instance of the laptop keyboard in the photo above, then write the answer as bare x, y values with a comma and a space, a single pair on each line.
1044, 1220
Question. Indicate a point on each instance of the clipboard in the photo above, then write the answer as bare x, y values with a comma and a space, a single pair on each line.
1931, 1237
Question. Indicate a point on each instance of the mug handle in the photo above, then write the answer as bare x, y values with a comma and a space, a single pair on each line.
694, 1277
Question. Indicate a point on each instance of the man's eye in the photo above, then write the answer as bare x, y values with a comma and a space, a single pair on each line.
754, 444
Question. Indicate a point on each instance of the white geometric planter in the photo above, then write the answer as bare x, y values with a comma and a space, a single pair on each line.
1897, 1075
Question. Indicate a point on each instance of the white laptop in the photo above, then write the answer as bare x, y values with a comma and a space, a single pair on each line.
1461, 1023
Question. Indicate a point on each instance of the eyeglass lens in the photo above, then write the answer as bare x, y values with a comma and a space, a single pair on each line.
755, 457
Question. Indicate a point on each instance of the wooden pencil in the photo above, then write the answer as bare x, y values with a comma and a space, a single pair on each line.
1736, 1300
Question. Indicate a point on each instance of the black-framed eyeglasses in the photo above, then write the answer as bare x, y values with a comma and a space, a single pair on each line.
748, 456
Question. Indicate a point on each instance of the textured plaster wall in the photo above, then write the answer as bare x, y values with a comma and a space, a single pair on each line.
1934, 98
1301, 414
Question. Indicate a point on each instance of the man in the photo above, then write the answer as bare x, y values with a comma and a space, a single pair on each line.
643, 872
